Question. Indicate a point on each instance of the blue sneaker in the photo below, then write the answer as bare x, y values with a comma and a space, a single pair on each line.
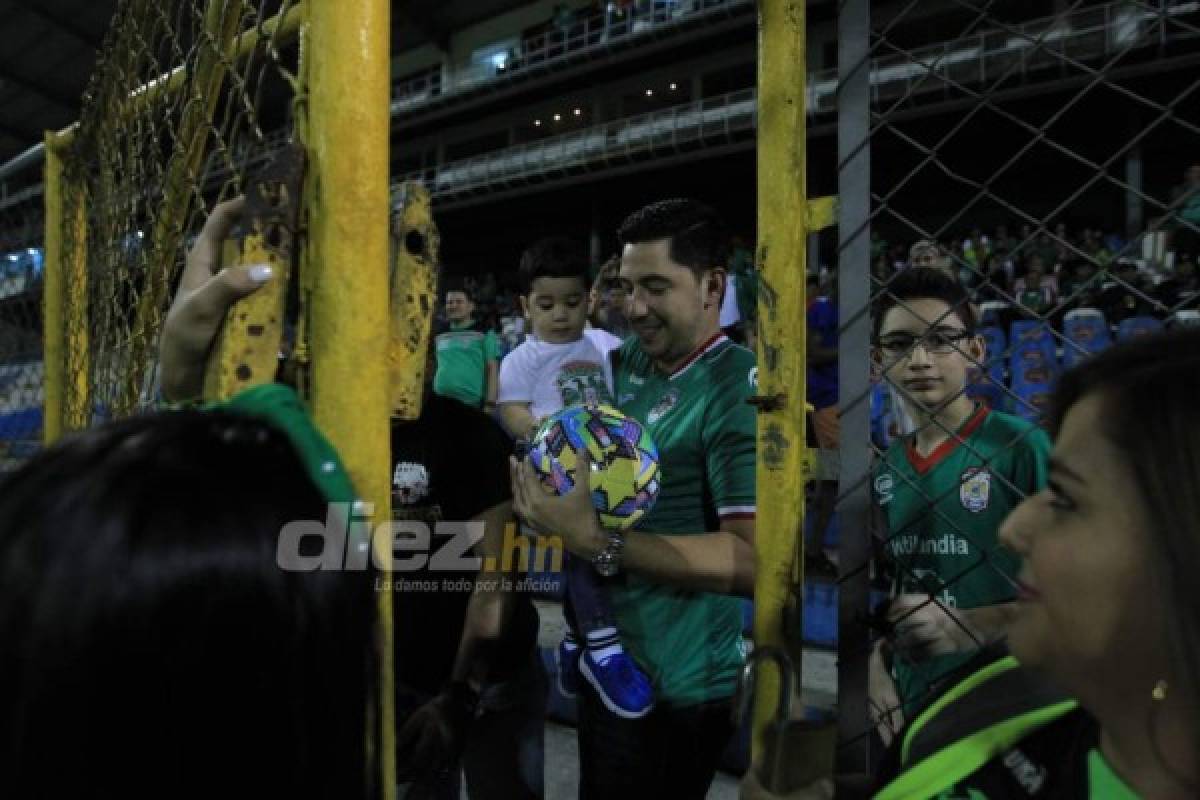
623, 687
566, 663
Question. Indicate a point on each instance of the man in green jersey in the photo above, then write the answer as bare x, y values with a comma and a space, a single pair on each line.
944, 490
677, 572
468, 356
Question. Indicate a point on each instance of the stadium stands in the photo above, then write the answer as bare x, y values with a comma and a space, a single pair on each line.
1135, 327
1086, 331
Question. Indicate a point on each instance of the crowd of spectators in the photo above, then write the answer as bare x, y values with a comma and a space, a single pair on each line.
1046, 272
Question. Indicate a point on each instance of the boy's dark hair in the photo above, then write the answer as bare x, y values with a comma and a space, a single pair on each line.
553, 257
698, 239
919, 283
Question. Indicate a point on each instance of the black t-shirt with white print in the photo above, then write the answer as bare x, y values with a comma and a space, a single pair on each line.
449, 466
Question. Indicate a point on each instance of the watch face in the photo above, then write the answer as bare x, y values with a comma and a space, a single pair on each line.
608, 561
605, 565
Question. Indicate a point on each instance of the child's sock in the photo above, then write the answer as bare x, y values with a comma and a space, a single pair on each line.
604, 643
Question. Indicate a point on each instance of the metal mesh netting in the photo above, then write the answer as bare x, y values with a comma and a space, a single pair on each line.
186, 101
21, 372
1049, 165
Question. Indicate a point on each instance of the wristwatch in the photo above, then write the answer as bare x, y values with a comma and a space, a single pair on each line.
608, 561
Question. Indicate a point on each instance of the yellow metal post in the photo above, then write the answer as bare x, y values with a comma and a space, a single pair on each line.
77, 410
347, 65
780, 259
415, 243
65, 331
247, 349
53, 297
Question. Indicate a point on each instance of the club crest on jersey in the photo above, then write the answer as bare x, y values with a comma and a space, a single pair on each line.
664, 405
410, 483
975, 489
884, 485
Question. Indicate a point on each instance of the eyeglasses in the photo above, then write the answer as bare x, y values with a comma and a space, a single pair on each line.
936, 342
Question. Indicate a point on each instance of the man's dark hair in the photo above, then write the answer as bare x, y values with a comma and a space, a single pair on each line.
920, 283
454, 283
552, 257
698, 239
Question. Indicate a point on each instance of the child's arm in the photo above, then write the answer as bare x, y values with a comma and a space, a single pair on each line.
514, 393
518, 419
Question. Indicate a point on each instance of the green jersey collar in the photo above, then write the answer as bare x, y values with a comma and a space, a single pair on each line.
711, 343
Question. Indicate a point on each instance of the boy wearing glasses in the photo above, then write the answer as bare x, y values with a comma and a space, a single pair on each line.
943, 491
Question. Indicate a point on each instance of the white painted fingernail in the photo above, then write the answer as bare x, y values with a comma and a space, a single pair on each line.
261, 273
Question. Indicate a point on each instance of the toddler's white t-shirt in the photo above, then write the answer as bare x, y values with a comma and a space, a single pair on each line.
552, 376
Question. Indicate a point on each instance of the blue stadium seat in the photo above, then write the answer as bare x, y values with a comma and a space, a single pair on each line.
1033, 365
1135, 327
1029, 330
992, 312
997, 345
1031, 345
1086, 332
987, 385
820, 614
987, 388
1031, 401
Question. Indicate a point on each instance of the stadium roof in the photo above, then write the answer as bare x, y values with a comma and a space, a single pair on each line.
48, 50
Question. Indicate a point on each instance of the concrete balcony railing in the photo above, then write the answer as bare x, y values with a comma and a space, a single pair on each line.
1022, 53
586, 37
690, 126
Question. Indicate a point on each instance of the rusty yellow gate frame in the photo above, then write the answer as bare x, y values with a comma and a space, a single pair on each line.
786, 217
343, 124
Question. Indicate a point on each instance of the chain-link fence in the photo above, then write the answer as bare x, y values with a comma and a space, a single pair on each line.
1049, 166
190, 104
21, 372
187, 101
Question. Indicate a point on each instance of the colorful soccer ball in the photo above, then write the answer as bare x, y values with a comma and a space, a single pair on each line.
624, 477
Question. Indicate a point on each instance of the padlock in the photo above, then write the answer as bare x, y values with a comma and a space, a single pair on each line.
796, 752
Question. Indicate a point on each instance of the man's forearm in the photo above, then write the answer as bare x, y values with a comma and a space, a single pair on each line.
720, 562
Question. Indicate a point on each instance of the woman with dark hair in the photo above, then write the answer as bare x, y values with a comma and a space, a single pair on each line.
1099, 698
153, 639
